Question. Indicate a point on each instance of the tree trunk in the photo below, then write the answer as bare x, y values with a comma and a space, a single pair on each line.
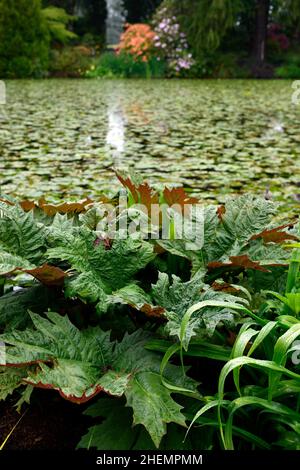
261, 29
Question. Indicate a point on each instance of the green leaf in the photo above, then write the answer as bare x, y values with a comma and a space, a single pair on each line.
10, 380
21, 235
14, 306
152, 404
230, 233
197, 348
102, 272
280, 354
267, 366
116, 432
266, 405
80, 364
180, 297
9, 262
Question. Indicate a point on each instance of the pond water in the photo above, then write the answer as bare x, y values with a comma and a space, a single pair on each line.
62, 137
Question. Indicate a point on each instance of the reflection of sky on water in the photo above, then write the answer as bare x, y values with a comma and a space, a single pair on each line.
115, 137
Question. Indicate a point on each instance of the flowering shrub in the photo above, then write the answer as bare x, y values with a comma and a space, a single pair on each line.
171, 43
277, 37
137, 40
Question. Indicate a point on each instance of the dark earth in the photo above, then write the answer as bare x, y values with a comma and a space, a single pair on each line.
50, 423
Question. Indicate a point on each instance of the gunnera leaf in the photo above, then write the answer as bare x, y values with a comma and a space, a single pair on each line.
177, 297
81, 364
102, 272
21, 235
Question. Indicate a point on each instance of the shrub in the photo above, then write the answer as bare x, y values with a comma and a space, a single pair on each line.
171, 43
137, 41
277, 38
288, 71
290, 67
24, 39
70, 61
111, 65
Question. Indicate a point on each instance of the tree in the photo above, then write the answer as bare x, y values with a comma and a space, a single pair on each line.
288, 13
205, 21
57, 21
24, 39
220, 24
91, 14
262, 10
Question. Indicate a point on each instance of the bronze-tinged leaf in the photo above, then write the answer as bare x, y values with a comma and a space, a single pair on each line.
64, 208
159, 250
275, 235
178, 196
147, 197
151, 311
27, 206
242, 261
72, 398
106, 200
224, 287
127, 183
142, 194
48, 275
9, 203
220, 212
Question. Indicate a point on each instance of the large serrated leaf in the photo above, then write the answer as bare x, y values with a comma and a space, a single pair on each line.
177, 297
14, 306
10, 379
102, 272
81, 364
21, 235
116, 432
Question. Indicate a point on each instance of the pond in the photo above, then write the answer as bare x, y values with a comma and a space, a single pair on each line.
217, 137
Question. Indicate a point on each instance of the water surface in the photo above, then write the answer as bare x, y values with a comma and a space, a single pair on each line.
61, 137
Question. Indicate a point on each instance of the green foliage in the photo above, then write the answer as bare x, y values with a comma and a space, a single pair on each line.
116, 432
290, 65
289, 302
21, 237
10, 380
268, 393
111, 65
132, 310
179, 297
223, 35
288, 71
88, 362
24, 39
70, 61
206, 21
57, 20
100, 279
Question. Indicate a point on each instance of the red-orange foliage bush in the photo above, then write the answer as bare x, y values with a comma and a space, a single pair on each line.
137, 40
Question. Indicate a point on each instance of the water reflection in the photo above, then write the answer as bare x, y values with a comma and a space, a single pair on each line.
115, 137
